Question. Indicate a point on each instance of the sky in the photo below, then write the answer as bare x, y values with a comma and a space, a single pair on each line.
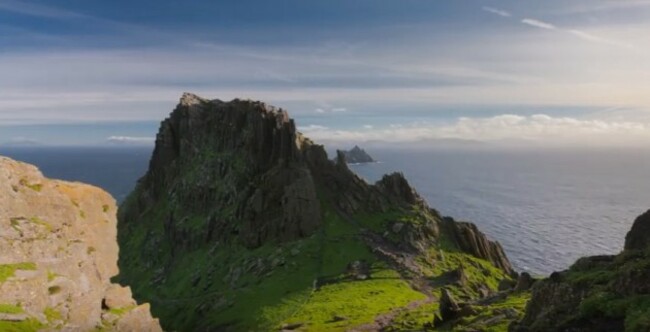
554, 72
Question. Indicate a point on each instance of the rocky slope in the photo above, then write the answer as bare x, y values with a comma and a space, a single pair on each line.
599, 293
241, 223
58, 251
357, 155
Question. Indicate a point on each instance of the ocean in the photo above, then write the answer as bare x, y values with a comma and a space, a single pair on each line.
546, 207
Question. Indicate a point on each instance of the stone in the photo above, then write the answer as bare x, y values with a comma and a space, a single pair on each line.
62, 235
117, 297
524, 282
638, 238
356, 155
449, 308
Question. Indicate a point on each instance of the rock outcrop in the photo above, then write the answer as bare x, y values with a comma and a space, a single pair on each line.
469, 239
235, 197
356, 155
58, 251
599, 293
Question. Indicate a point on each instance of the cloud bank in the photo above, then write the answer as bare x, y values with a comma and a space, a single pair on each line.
538, 129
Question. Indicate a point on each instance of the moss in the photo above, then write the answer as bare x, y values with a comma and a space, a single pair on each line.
52, 314
90, 250
51, 276
29, 325
33, 186
105, 208
10, 309
121, 311
8, 270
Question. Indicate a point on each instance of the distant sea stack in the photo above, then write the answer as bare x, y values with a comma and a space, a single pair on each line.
356, 155
243, 224
58, 251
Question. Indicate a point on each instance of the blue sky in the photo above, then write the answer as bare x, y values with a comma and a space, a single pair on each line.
78, 72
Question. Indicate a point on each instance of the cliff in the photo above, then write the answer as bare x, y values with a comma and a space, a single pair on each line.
599, 293
357, 155
58, 251
242, 223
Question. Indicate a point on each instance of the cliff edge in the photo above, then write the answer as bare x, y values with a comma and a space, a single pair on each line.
58, 251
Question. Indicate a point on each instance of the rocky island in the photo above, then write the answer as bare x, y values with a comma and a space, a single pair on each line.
241, 223
357, 155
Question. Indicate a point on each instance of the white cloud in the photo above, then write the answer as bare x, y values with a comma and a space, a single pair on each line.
131, 140
312, 127
331, 110
541, 129
368, 126
539, 24
497, 11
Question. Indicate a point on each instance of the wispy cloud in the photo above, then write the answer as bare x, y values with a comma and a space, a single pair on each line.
538, 24
32, 9
130, 140
497, 11
331, 110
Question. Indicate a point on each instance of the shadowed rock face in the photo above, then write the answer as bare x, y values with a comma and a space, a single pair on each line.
58, 251
471, 240
638, 238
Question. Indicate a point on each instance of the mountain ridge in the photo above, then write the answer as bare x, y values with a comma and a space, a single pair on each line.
235, 180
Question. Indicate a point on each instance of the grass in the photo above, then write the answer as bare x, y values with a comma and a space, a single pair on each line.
358, 301
8, 270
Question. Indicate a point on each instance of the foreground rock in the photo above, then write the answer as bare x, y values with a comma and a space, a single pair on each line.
58, 251
357, 155
599, 293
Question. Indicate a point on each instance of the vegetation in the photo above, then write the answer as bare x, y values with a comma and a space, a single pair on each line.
8, 270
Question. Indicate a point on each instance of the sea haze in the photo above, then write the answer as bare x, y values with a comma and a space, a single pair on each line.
546, 207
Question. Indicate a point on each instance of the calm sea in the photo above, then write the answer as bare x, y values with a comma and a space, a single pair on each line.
546, 207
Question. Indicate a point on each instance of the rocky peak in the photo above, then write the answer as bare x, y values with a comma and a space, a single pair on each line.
58, 251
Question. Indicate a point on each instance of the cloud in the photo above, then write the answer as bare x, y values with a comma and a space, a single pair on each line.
21, 141
312, 127
32, 9
368, 126
130, 140
539, 129
538, 24
323, 110
496, 11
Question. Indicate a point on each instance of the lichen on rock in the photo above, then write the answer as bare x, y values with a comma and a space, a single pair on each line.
58, 251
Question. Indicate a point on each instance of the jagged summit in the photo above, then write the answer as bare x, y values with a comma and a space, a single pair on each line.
356, 155
235, 188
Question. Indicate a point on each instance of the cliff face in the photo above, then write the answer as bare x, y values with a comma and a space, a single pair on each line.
599, 293
58, 251
240, 218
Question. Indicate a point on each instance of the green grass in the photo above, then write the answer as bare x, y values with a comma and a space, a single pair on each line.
359, 301
8, 270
